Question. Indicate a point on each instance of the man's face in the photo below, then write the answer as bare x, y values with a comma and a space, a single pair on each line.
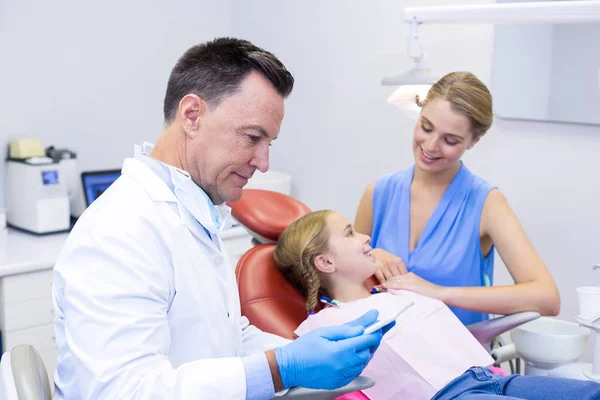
232, 141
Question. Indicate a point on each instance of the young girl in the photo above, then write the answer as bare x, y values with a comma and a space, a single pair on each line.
428, 351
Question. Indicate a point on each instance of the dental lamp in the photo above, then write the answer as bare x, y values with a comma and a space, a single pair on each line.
416, 82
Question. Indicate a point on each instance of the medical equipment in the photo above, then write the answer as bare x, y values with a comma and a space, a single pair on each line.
417, 80
24, 148
549, 347
2, 218
85, 187
36, 195
380, 323
329, 302
589, 302
553, 347
23, 375
67, 163
96, 182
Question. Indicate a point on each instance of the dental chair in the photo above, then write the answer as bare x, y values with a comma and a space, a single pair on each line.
23, 375
270, 302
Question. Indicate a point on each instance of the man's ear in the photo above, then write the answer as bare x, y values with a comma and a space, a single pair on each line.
190, 112
323, 264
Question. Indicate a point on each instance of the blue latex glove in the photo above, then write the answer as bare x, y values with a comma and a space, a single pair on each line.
329, 357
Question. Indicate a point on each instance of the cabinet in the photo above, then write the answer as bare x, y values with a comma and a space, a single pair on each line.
26, 314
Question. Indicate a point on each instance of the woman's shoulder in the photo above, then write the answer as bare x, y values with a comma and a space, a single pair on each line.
393, 180
478, 184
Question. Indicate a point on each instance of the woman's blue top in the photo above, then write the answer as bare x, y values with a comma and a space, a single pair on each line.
448, 252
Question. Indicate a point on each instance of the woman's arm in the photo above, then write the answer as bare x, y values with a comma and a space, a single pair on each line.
363, 222
534, 288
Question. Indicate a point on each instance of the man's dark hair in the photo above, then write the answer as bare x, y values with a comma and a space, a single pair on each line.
215, 70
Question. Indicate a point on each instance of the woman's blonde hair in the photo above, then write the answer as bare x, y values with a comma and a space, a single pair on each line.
468, 96
295, 254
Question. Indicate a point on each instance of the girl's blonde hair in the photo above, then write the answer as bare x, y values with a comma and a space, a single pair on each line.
295, 254
468, 96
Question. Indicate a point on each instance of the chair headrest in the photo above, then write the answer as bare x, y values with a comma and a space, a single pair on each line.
267, 213
267, 299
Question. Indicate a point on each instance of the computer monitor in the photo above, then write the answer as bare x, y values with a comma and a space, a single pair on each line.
96, 182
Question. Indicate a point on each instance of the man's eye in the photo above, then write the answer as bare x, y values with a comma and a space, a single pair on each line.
253, 139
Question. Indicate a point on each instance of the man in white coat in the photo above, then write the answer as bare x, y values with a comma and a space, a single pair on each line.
145, 299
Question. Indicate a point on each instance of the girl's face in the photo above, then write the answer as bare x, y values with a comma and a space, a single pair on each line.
441, 137
349, 255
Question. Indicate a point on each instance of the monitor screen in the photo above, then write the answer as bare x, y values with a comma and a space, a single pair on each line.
50, 177
96, 182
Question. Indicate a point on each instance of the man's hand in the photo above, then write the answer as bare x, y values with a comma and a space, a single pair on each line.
329, 357
389, 265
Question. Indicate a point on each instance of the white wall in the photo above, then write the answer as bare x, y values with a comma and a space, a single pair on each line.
339, 134
91, 76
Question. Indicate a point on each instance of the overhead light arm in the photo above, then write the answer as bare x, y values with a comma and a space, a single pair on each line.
415, 82
419, 74
546, 12
415, 52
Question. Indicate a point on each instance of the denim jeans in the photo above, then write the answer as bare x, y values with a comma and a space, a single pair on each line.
482, 384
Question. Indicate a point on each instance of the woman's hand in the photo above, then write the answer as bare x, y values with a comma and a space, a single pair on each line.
415, 283
389, 265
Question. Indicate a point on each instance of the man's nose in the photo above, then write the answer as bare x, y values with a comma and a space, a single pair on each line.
261, 158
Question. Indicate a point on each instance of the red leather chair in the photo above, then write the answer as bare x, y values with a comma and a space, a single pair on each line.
268, 300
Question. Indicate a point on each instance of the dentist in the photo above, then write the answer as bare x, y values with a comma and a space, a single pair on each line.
146, 303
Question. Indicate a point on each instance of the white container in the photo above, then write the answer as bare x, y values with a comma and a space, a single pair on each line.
589, 301
550, 341
275, 181
2, 218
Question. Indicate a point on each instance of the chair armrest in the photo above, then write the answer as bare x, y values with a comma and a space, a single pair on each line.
486, 331
300, 393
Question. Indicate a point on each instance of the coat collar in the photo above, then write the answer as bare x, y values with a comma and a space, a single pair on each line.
152, 184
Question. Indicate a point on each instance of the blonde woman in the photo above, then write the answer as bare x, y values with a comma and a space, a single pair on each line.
435, 225
322, 254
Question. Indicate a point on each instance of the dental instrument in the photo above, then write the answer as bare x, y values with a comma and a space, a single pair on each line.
387, 320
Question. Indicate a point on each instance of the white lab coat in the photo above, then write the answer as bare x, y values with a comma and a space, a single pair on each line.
142, 310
